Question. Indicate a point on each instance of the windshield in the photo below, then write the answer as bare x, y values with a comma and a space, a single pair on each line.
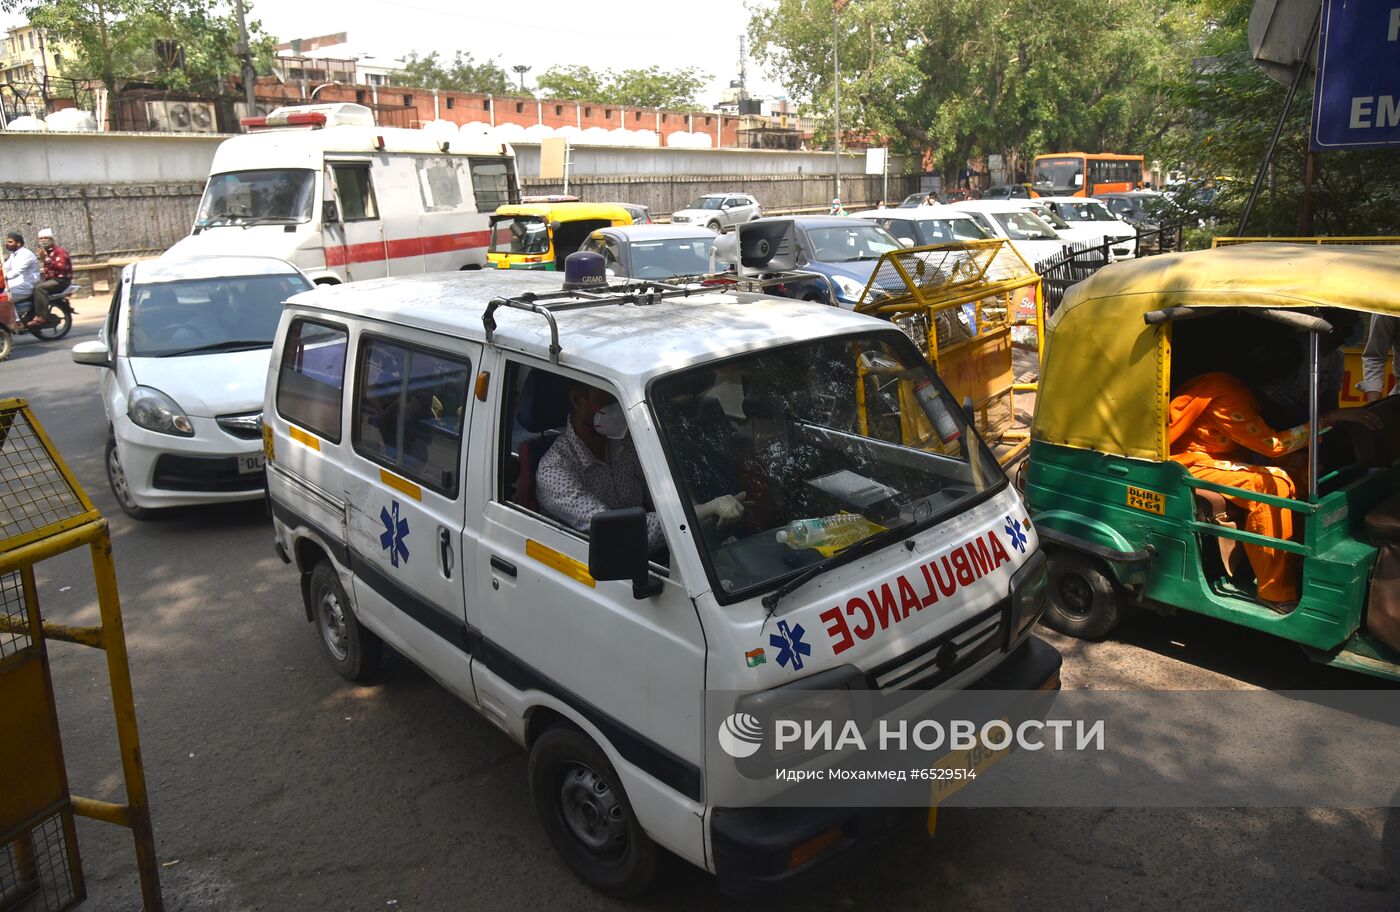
857, 431
1025, 226
847, 244
1050, 216
1056, 176
281, 195
205, 316
520, 234
1087, 211
672, 257
707, 202
936, 231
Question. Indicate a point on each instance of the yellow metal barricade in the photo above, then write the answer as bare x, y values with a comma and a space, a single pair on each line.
962, 304
44, 513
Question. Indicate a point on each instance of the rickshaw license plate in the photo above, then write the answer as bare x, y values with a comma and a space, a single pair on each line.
1147, 501
958, 769
251, 463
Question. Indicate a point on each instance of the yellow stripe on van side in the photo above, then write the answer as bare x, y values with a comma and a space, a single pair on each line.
559, 562
402, 485
305, 439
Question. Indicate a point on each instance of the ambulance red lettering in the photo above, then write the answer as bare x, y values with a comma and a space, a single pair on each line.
998, 552
869, 626
884, 605
932, 590
962, 566
908, 598
948, 587
837, 630
981, 557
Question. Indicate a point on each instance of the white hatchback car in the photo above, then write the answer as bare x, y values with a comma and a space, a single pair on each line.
718, 211
186, 347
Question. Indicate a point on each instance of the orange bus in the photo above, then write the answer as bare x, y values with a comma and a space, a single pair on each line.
1086, 173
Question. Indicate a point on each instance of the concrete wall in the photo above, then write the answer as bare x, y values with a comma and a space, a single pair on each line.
600, 161
667, 193
66, 159
96, 222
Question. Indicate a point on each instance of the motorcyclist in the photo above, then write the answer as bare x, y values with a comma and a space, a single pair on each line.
57, 274
836, 207
21, 271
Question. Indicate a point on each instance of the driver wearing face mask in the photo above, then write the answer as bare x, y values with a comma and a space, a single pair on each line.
593, 467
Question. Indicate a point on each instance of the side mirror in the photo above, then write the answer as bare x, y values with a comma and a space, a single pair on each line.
93, 354
906, 241
329, 214
617, 550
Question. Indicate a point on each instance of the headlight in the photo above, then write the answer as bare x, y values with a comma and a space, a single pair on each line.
848, 288
155, 411
1029, 587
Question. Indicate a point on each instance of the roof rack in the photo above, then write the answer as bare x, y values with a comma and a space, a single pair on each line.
641, 292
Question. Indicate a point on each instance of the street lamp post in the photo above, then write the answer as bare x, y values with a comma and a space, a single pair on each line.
520, 70
836, 66
250, 79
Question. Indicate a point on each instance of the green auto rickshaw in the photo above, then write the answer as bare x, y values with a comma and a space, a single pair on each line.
1126, 524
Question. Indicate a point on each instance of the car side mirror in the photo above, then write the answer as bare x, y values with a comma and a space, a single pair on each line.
93, 354
329, 214
617, 550
906, 241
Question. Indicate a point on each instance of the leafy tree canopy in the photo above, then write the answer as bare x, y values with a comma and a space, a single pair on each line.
461, 75
643, 88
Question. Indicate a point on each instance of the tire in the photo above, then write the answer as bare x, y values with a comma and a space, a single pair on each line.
354, 652
54, 333
579, 801
715, 226
1084, 601
7, 344
117, 481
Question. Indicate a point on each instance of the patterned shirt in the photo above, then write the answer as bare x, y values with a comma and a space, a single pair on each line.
1216, 415
572, 484
58, 265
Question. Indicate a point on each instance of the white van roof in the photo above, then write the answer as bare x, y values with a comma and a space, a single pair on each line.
914, 213
305, 148
599, 339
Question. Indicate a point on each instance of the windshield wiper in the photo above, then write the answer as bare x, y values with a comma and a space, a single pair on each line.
805, 575
264, 219
230, 345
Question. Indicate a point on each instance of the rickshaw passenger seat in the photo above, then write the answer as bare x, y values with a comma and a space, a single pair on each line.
1214, 508
1383, 605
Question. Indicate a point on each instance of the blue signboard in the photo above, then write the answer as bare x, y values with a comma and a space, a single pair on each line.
1356, 102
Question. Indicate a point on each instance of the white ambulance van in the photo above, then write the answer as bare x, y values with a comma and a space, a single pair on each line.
590, 605
323, 188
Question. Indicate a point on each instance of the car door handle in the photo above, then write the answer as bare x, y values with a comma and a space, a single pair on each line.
503, 566
445, 550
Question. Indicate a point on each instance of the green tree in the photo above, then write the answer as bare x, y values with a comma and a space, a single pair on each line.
972, 77
461, 75
643, 88
115, 41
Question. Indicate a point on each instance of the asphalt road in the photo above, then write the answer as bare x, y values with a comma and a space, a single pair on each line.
276, 786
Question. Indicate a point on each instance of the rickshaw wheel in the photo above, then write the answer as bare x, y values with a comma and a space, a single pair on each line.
1084, 601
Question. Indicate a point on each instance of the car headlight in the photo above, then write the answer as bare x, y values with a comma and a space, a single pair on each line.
1029, 588
848, 288
155, 411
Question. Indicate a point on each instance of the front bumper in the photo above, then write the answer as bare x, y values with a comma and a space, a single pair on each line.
164, 470
753, 847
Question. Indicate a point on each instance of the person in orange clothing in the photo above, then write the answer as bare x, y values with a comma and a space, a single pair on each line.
1214, 427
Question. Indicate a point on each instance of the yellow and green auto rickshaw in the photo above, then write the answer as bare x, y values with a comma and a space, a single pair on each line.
541, 235
1125, 524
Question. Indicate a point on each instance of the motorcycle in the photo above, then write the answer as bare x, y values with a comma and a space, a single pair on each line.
57, 326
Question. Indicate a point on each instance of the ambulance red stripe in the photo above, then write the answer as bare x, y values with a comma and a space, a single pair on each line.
374, 251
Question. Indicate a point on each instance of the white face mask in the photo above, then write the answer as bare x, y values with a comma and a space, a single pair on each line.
610, 422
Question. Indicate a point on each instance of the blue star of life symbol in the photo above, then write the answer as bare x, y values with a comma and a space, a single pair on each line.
395, 531
788, 642
1013, 531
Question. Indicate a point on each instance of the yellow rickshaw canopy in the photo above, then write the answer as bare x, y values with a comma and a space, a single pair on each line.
567, 212
1103, 383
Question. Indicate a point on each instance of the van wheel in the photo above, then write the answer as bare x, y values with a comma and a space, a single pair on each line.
121, 488
354, 652
1084, 602
579, 801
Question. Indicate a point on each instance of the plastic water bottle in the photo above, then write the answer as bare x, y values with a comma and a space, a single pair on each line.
932, 402
839, 531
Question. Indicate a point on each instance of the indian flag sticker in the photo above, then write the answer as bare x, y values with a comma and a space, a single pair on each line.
755, 657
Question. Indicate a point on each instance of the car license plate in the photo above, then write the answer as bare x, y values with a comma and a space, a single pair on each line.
958, 769
251, 463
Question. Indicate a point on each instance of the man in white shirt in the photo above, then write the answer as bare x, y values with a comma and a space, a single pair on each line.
21, 270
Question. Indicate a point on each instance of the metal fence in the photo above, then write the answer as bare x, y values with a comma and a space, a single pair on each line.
1079, 261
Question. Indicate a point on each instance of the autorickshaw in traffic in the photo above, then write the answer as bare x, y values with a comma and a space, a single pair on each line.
1129, 360
541, 235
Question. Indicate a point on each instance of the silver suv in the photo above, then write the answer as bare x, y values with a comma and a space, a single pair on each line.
718, 211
